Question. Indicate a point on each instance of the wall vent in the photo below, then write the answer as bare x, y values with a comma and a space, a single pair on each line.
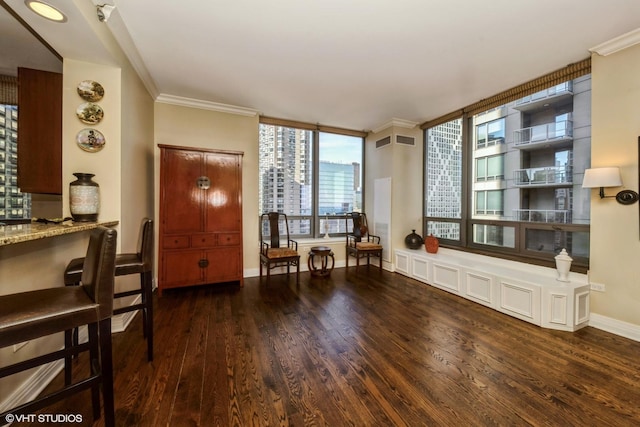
406, 140
382, 142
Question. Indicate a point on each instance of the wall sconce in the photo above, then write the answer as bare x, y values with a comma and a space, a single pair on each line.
608, 177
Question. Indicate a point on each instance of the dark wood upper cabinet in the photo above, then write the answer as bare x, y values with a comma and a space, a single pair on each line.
39, 131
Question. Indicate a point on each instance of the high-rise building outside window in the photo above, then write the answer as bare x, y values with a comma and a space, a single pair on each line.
14, 205
314, 177
443, 180
522, 195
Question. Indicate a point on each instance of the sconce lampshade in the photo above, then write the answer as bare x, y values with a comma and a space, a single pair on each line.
608, 177
602, 177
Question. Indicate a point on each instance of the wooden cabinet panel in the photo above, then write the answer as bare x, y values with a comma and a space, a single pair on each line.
224, 206
224, 264
180, 268
183, 199
39, 131
200, 217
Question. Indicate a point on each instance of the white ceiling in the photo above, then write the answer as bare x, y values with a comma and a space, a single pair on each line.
346, 63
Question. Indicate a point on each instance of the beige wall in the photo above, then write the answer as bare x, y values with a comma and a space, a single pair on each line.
615, 242
124, 170
192, 127
403, 164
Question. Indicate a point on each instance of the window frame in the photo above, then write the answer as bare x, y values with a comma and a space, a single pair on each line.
315, 229
519, 252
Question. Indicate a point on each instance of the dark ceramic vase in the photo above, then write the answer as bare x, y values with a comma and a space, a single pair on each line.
413, 240
84, 198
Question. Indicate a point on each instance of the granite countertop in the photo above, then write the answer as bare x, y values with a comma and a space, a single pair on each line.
10, 234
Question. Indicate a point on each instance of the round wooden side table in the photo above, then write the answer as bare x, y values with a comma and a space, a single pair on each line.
324, 254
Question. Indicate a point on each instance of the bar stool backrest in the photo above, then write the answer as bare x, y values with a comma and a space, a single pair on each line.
99, 269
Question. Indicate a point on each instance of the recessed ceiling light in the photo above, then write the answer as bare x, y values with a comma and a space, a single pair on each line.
46, 10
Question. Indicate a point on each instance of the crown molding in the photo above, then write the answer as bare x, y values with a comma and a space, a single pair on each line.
205, 105
119, 31
618, 43
407, 124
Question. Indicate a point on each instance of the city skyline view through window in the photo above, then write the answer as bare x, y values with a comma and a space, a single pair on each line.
313, 177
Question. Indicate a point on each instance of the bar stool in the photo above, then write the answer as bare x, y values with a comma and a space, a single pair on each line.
28, 315
141, 263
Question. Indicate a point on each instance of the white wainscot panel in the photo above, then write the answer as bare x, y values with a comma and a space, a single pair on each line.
402, 263
479, 287
520, 300
582, 307
446, 277
420, 268
495, 283
558, 305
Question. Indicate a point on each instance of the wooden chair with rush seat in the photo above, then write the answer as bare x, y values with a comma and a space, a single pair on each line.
361, 244
277, 249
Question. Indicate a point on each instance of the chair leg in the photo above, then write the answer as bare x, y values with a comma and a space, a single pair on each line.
143, 295
268, 273
298, 272
68, 343
94, 367
106, 366
380, 262
148, 313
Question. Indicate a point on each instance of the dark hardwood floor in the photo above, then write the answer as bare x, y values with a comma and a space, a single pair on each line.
361, 350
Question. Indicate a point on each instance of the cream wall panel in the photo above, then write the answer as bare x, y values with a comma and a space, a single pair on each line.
615, 240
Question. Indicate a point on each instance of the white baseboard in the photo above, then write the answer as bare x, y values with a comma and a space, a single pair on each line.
33, 386
618, 327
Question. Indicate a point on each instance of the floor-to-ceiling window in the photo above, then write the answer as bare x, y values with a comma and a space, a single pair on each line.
507, 180
313, 176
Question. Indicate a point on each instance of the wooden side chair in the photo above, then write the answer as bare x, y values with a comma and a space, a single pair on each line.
28, 315
139, 262
360, 243
277, 249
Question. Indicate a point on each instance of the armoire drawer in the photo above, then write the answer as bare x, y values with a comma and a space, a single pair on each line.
203, 240
175, 242
228, 239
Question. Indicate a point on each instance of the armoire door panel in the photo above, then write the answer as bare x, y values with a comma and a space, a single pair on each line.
182, 198
181, 268
224, 208
224, 264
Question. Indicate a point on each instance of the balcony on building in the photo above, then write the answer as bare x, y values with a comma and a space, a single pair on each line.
550, 176
557, 94
542, 215
557, 134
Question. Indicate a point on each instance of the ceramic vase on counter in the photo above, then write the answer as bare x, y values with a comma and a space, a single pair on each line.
84, 198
